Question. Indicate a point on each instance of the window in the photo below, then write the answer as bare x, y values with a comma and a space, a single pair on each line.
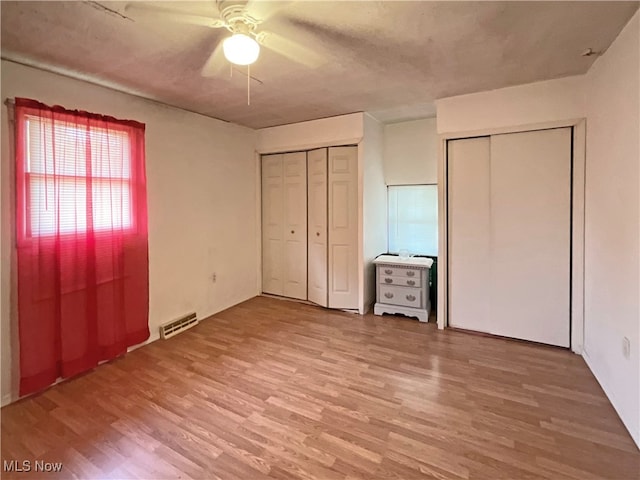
413, 219
82, 253
66, 160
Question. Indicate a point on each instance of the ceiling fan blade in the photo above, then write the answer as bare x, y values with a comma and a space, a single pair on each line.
147, 11
241, 73
292, 50
262, 10
216, 63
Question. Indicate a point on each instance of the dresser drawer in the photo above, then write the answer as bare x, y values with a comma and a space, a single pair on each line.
396, 295
389, 270
404, 281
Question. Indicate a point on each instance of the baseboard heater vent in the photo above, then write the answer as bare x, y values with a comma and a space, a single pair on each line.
170, 329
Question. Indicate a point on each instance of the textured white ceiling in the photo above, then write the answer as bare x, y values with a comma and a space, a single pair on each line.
391, 58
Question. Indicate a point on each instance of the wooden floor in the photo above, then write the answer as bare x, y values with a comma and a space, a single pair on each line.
274, 389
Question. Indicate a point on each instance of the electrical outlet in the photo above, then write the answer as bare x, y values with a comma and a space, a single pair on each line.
626, 347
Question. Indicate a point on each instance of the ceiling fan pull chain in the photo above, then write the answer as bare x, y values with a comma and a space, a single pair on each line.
248, 84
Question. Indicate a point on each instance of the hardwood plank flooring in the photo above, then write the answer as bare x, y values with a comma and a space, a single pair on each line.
272, 389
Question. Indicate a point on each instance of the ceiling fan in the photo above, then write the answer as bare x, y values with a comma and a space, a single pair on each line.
243, 19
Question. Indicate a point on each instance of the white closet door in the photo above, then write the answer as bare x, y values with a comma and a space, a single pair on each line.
343, 227
295, 225
469, 232
317, 229
530, 235
272, 225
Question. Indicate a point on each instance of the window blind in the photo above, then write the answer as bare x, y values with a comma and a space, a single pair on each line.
63, 163
413, 219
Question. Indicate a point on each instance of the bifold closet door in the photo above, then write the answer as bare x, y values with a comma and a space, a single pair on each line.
295, 225
317, 226
284, 225
272, 225
343, 227
509, 235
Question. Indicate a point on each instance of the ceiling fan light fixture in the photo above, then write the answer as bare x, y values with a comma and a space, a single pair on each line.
241, 49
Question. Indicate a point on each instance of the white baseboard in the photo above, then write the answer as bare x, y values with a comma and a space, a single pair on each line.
153, 336
632, 429
6, 399
368, 306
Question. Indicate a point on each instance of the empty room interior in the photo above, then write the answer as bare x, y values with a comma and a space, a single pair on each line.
252, 239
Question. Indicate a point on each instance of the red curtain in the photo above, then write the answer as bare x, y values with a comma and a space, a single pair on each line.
82, 243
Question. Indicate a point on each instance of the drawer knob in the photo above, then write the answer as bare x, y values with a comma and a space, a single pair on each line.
410, 273
411, 298
388, 271
317, 234
388, 280
411, 282
293, 231
388, 295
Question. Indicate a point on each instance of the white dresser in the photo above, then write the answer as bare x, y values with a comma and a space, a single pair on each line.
403, 286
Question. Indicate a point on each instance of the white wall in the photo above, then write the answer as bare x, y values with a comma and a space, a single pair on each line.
539, 102
608, 97
411, 152
374, 206
201, 200
612, 223
326, 132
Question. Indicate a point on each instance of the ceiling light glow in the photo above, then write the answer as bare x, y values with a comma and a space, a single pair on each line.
241, 49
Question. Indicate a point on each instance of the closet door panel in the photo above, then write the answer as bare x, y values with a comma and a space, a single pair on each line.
530, 235
340, 262
317, 226
469, 214
272, 225
295, 225
343, 227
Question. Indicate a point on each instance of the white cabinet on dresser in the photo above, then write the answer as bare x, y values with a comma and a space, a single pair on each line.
403, 286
